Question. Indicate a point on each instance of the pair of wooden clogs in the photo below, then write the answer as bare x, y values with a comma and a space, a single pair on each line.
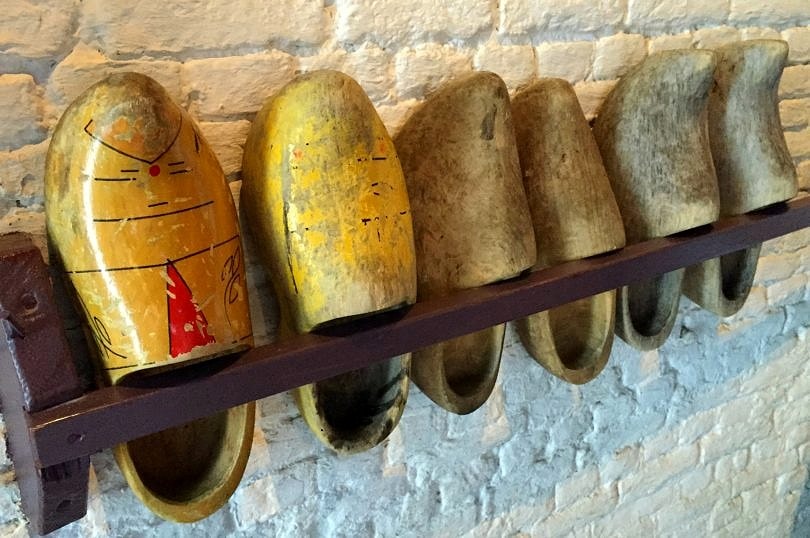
351, 224
688, 136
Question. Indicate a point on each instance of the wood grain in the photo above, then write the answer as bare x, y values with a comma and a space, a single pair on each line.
754, 167
471, 223
575, 216
652, 135
325, 198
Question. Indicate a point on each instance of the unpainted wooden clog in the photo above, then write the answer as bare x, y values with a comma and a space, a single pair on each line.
575, 216
471, 223
652, 134
754, 167
324, 192
140, 215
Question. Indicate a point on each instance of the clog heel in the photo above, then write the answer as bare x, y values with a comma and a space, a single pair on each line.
575, 216
324, 192
754, 167
471, 223
652, 134
140, 215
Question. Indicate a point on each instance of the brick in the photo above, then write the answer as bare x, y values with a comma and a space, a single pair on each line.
227, 139
762, 470
370, 65
576, 487
394, 116
759, 33
663, 442
725, 512
622, 463
712, 38
425, 68
795, 113
85, 66
255, 502
569, 60
179, 27
798, 40
764, 449
655, 473
616, 54
21, 108
37, 29
803, 171
777, 267
698, 425
388, 22
755, 12
798, 143
591, 95
15, 530
21, 176
514, 63
669, 42
791, 482
601, 501
723, 441
624, 521
692, 484
787, 291
212, 82
660, 15
572, 16
795, 82
497, 428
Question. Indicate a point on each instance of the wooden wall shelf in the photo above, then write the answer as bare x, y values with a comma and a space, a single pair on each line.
105, 417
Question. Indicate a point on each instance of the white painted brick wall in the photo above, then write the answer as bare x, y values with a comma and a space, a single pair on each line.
708, 436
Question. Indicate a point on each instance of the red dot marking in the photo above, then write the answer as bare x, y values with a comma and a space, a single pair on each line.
154, 170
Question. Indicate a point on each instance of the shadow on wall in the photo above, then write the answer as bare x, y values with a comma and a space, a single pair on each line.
801, 523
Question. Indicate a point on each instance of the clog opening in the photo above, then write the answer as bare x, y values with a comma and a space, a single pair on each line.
354, 404
579, 330
470, 361
737, 270
183, 464
650, 302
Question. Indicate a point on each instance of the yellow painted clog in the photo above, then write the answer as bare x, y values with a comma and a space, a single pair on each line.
652, 134
575, 216
471, 223
754, 167
143, 222
324, 192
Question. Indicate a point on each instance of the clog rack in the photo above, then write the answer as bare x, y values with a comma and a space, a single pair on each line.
51, 439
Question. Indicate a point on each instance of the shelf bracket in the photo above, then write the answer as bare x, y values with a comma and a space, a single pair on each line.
36, 372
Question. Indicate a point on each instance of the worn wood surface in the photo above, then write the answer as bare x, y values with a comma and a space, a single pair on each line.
36, 372
143, 222
652, 134
575, 216
754, 167
112, 415
325, 197
472, 224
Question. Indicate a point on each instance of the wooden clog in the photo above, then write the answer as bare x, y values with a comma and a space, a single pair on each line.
324, 192
575, 216
471, 223
652, 134
143, 222
754, 167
